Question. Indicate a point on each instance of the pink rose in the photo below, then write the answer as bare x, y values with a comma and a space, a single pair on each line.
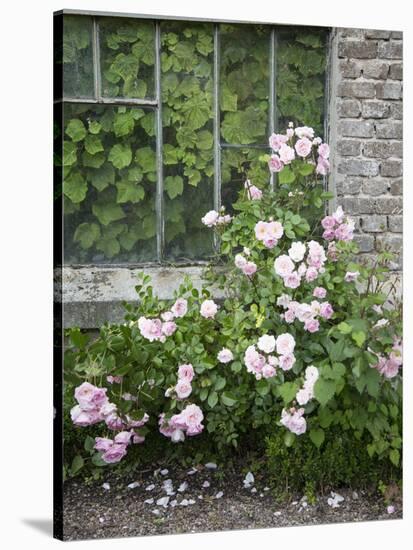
169, 328
275, 229
186, 372
102, 444
268, 371
137, 438
114, 422
351, 276
260, 230
292, 280
283, 265
285, 344
275, 164
329, 234
324, 150
151, 329
338, 215
225, 356
270, 241
289, 316
249, 268
311, 325
276, 140
304, 131
183, 388
167, 316
344, 232
192, 416
319, 292
90, 397
210, 219
123, 437
253, 192
240, 261
303, 147
328, 222
114, 454
311, 274
179, 308
323, 166
114, 379
84, 418
286, 154
208, 309
326, 311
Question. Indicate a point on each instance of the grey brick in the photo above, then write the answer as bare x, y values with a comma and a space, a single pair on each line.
390, 50
349, 69
365, 242
375, 109
358, 167
374, 69
374, 224
352, 33
389, 90
348, 108
349, 147
396, 224
357, 89
358, 205
351, 186
389, 129
357, 49
356, 128
396, 71
383, 149
377, 34
389, 241
391, 168
389, 205
375, 186
398, 35
396, 110
396, 187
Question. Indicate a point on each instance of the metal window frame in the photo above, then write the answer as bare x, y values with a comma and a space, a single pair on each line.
156, 105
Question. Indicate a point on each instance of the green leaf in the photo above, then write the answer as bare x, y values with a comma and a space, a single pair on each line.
120, 155
129, 192
220, 383
107, 212
77, 465
324, 390
94, 127
286, 176
174, 186
87, 234
212, 399
372, 379
305, 169
110, 247
204, 140
289, 439
228, 399
317, 436
102, 177
146, 158
89, 443
93, 161
228, 99
75, 187
359, 337
69, 153
126, 66
76, 130
344, 328
288, 391
394, 456
262, 387
93, 145
123, 124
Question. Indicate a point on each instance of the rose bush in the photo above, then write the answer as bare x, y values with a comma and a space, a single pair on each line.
288, 334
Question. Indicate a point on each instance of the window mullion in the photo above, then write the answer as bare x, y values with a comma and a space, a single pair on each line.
96, 60
160, 222
217, 145
272, 92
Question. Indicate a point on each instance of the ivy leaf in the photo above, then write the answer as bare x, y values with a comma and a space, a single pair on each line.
120, 155
212, 399
324, 390
145, 51
170, 154
129, 192
76, 130
87, 234
109, 246
197, 112
125, 65
228, 99
204, 140
107, 212
204, 44
93, 145
146, 158
123, 124
75, 187
94, 127
317, 436
69, 153
194, 176
102, 177
228, 399
174, 186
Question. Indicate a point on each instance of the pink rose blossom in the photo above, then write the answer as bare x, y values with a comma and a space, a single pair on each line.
311, 274
210, 219
168, 328
180, 307
302, 268
186, 372
329, 234
114, 422
351, 276
294, 420
249, 268
225, 356
303, 147
338, 215
84, 418
114, 379
275, 229
297, 251
123, 438
283, 300
151, 329
268, 371
287, 361
283, 265
253, 192
292, 280
324, 150
266, 343
276, 140
323, 166
254, 361
167, 316
285, 344
183, 388
326, 310
328, 222
102, 444
240, 261
311, 325
260, 230
208, 309
114, 454
192, 416
304, 132
137, 438
319, 292
270, 241
289, 316
286, 154
275, 164
90, 397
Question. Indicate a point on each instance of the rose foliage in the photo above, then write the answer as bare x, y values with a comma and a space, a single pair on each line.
288, 334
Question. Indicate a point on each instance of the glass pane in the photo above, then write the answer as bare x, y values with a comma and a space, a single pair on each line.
244, 86
77, 57
187, 103
127, 58
238, 165
301, 60
109, 187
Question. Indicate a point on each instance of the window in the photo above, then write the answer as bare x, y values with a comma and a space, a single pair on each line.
164, 120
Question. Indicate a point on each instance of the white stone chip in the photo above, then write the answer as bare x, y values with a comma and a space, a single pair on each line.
184, 502
211, 466
149, 501
162, 501
133, 485
192, 471
220, 494
150, 487
106, 486
334, 500
183, 487
164, 472
253, 490
206, 484
156, 512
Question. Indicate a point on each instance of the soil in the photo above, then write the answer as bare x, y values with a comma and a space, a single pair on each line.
109, 508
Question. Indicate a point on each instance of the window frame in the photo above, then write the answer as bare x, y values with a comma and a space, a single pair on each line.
156, 104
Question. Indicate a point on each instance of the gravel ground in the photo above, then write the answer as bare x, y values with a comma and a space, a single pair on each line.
112, 509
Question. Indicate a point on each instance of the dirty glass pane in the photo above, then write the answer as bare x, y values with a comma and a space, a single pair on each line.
238, 165
187, 103
109, 164
244, 86
127, 57
77, 57
301, 71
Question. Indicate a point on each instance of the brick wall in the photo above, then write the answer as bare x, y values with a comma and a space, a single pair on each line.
366, 134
